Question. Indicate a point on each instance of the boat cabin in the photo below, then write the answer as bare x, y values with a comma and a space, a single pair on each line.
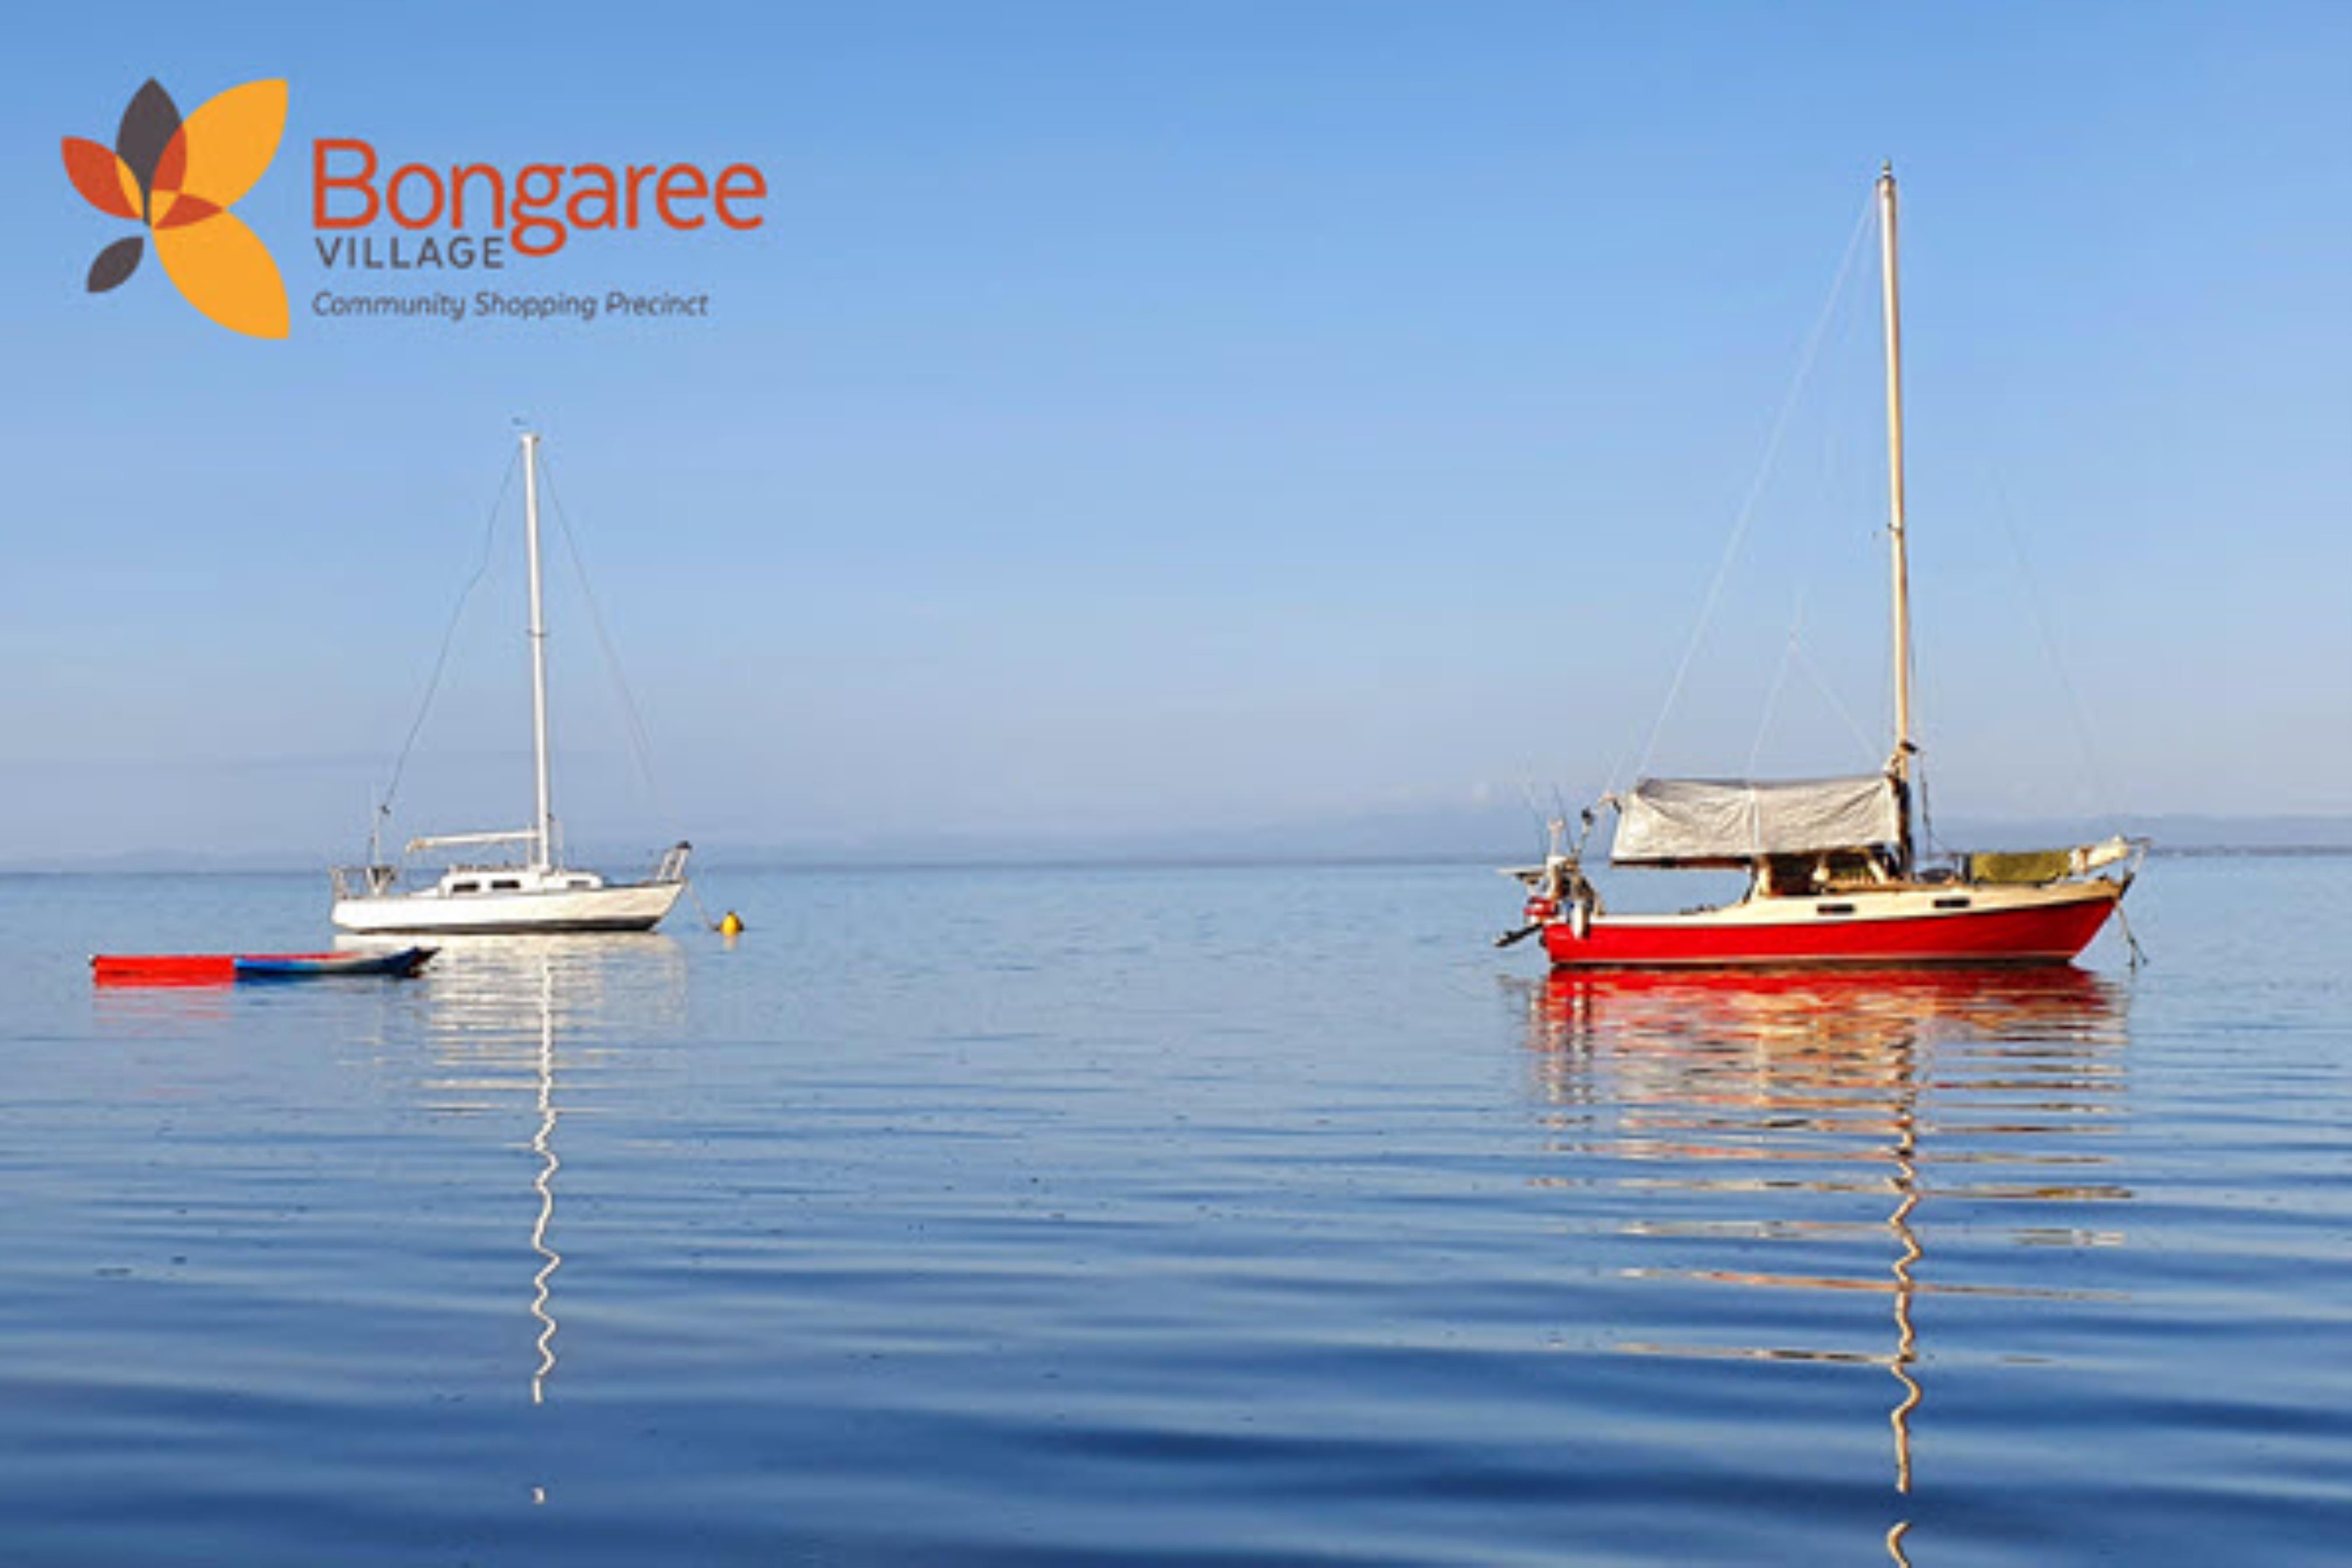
1826, 871
474, 882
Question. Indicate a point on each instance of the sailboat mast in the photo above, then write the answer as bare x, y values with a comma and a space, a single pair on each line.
543, 822
1899, 766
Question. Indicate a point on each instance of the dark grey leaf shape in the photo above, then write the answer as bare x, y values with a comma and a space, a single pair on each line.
148, 126
116, 263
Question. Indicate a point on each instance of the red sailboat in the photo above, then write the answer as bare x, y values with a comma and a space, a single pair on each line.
1835, 876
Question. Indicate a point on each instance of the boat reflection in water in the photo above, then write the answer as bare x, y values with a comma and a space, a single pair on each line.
1784, 1098
498, 1007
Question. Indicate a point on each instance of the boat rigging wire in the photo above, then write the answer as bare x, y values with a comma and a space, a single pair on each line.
1535, 806
1927, 816
1821, 682
1747, 513
1793, 656
441, 659
2042, 623
1779, 678
640, 741
640, 745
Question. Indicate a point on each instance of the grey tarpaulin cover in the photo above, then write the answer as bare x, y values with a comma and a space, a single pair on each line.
1737, 819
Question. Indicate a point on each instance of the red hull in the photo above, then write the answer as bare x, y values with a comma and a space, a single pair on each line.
2050, 933
224, 968
164, 969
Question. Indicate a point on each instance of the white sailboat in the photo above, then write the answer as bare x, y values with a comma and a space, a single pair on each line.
537, 892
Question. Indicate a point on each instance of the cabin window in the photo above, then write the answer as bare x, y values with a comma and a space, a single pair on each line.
506, 885
465, 887
1833, 909
1951, 903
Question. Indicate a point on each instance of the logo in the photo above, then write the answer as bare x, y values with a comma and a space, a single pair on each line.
177, 178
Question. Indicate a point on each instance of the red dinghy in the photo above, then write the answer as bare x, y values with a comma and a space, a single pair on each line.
225, 968
1833, 875
164, 969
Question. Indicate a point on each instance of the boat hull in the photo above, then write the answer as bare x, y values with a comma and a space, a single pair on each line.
401, 961
223, 968
1937, 925
162, 968
637, 906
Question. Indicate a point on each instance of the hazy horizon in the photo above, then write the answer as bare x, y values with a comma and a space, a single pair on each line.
1469, 838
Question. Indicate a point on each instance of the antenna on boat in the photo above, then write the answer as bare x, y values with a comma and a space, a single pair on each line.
1898, 767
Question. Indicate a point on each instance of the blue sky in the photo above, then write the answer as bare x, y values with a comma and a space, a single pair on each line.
1148, 419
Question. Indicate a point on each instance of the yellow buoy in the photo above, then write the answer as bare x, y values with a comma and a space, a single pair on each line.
730, 924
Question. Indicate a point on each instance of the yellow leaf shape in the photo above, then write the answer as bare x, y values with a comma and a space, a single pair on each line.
230, 140
224, 270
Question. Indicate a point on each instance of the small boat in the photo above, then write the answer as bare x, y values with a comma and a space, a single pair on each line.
400, 961
224, 968
536, 892
1834, 872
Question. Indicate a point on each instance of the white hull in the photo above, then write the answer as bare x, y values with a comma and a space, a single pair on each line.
637, 906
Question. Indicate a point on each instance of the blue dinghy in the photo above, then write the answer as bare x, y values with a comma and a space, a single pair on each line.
313, 965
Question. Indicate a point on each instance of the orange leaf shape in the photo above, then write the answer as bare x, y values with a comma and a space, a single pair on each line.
101, 177
227, 142
224, 270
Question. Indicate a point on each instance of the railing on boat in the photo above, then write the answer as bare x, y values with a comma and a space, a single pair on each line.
362, 881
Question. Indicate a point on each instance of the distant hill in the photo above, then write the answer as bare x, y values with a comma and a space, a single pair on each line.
2173, 834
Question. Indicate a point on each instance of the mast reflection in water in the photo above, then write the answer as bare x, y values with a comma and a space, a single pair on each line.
497, 1009
1751, 1115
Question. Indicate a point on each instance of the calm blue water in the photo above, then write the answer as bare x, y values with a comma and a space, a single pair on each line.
1252, 1216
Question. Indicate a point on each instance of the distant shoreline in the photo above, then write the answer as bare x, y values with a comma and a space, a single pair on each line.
767, 861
